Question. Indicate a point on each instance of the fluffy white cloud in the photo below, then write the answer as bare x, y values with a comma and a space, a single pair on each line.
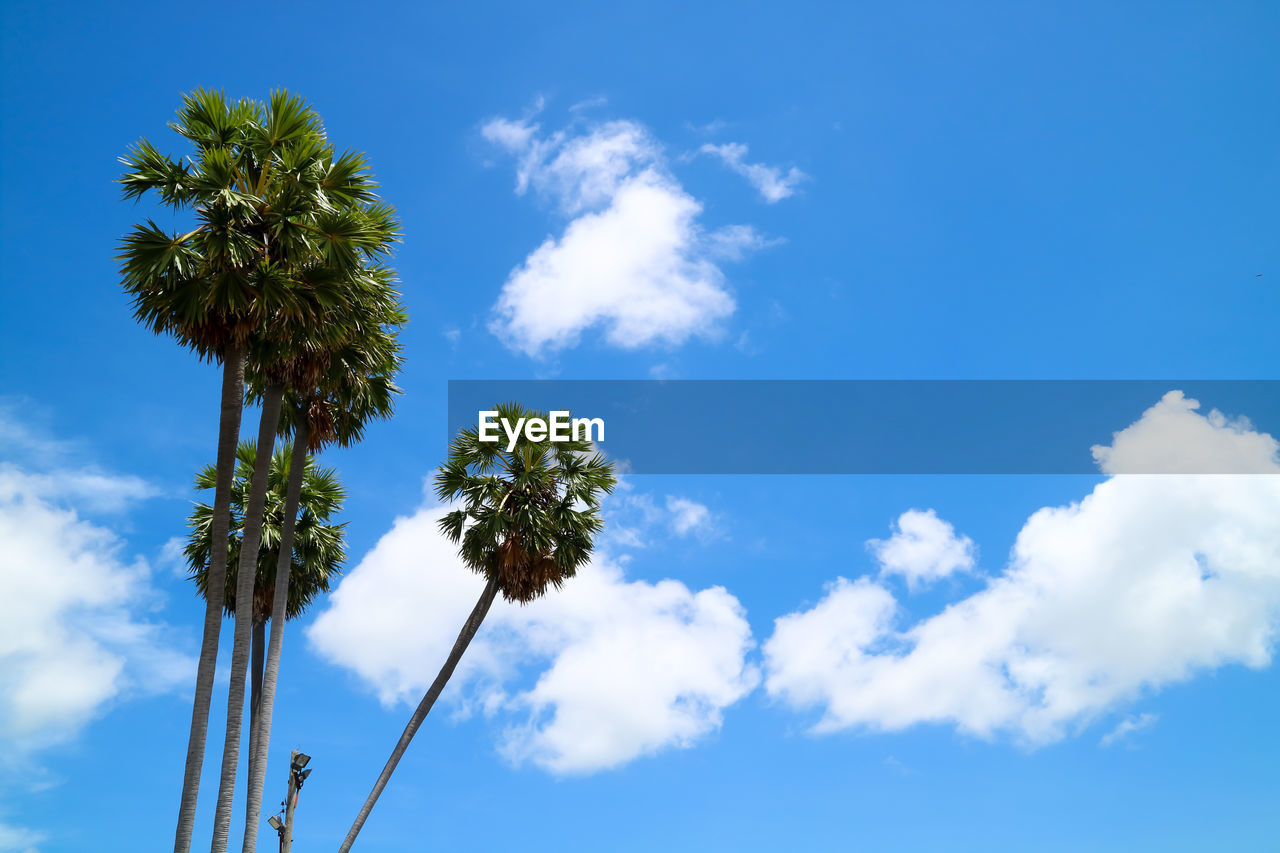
1173, 438
770, 181
73, 631
923, 548
635, 667
688, 516
624, 668
633, 259
1145, 582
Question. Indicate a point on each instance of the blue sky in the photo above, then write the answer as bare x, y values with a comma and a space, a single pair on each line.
979, 191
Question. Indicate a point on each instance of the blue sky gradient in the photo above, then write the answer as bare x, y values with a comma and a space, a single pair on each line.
991, 191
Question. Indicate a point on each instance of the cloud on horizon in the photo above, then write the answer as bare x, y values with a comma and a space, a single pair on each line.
1146, 582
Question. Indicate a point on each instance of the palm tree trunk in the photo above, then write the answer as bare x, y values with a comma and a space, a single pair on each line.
260, 736
424, 707
231, 406
256, 648
246, 576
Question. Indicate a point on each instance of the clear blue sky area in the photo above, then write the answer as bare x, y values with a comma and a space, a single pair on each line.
680, 191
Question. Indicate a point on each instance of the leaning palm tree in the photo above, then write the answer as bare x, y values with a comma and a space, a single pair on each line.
526, 522
316, 553
336, 393
279, 216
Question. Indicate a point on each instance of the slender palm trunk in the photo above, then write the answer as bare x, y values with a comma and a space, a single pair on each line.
257, 647
261, 734
228, 435
245, 578
424, 707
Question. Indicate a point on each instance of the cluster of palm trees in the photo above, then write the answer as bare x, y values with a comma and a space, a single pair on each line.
284, 282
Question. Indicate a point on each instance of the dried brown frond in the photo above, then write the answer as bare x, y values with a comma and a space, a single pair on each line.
523, 577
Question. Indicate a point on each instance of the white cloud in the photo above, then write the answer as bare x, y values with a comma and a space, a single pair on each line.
633, 260
635, 668
576, 172
1146, 582
1173, 438
73, 631
635, 518
688, 516
510, 134
623, 668
88, 488
923, 549
1128, 726
770, 181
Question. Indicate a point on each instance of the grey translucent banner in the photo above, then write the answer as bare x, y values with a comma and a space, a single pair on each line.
889, 426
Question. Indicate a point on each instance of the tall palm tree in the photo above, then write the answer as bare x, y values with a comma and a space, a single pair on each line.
527, 520
205, 288
347, 235
336, 394
278, 218
316, 553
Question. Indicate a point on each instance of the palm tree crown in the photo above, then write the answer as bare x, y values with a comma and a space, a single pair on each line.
529, 515
318, 547
282, 220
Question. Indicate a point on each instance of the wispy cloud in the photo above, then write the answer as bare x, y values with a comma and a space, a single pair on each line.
771, 182
688, 516
1127, 727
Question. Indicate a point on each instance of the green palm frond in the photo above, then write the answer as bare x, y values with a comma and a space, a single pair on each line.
528, 515
285, 230
319, 548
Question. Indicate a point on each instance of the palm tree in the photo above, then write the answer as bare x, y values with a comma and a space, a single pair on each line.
528, 519
280, 220
204, 288
316, 552
336, 266
346, 388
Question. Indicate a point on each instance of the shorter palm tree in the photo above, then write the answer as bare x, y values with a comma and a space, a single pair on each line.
526, 520
319, 550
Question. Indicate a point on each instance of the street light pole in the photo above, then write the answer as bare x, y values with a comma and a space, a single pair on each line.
297, 775
286, 837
